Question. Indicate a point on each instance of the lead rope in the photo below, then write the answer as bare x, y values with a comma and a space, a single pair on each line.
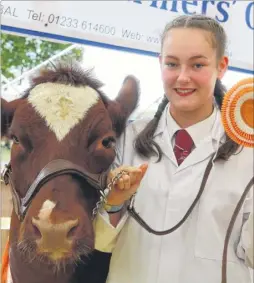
141, 222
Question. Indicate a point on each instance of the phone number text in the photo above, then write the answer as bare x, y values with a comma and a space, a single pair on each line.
83, 25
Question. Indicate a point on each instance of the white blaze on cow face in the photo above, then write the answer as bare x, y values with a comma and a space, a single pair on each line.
62, 106
46, 210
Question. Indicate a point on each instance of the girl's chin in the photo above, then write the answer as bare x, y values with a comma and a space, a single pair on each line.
184, 106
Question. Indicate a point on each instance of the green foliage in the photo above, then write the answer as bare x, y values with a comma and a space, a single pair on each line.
19, 54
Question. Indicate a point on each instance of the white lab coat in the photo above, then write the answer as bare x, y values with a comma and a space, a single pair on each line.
193, 253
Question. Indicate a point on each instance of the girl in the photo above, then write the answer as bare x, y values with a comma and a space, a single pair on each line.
175, 148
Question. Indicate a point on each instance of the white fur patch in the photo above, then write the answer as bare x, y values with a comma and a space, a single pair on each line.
46, 210
62, 106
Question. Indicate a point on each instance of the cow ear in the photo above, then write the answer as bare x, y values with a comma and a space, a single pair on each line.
125, 103
7, 113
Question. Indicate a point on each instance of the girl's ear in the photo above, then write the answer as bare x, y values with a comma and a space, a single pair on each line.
222, 67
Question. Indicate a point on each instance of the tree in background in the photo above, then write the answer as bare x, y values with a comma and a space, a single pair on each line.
19, 54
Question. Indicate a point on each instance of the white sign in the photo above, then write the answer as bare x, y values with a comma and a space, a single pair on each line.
133, 26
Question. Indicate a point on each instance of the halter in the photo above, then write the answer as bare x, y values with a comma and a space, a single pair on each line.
53, 169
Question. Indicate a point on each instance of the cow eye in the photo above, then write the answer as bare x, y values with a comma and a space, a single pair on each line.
15, 139
109, 142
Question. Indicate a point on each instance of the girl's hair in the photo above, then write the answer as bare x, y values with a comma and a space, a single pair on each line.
218, 36
144, 143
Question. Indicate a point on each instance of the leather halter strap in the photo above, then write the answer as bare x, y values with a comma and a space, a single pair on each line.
53, 169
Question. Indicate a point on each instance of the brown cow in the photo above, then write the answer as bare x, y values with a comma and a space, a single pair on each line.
63, 131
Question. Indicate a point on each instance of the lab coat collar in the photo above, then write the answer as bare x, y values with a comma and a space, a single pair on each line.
209, 145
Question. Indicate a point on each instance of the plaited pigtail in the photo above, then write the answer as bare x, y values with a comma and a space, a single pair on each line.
219, 93
144, 143
230, 147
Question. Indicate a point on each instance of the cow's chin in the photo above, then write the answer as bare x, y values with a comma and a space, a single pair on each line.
57, 258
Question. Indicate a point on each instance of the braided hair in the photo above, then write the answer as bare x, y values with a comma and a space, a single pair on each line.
144, 143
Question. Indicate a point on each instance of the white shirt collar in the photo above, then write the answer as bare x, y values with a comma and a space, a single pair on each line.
197, 131
209, 127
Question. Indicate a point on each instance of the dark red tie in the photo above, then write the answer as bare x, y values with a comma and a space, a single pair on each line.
183, 145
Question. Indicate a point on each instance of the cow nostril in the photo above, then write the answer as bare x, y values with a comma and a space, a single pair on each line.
36, 230
72, 231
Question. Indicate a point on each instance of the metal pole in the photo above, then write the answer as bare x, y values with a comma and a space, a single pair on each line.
4, 79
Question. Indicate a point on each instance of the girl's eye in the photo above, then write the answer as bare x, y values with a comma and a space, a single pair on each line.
171, 65
198, 66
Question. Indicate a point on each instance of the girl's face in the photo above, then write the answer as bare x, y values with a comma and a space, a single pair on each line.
189, 69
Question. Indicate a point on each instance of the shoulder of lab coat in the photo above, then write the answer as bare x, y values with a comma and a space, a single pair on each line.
106, 234
125, 144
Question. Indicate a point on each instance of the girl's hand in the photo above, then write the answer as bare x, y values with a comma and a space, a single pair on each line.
127, 185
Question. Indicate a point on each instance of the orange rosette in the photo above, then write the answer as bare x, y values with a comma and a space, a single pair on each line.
238, 112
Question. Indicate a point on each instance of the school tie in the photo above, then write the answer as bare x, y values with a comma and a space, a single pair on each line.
183, 145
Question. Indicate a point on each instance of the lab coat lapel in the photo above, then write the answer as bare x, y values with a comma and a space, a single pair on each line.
163, 141
162, 137
206, 147
200, 153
